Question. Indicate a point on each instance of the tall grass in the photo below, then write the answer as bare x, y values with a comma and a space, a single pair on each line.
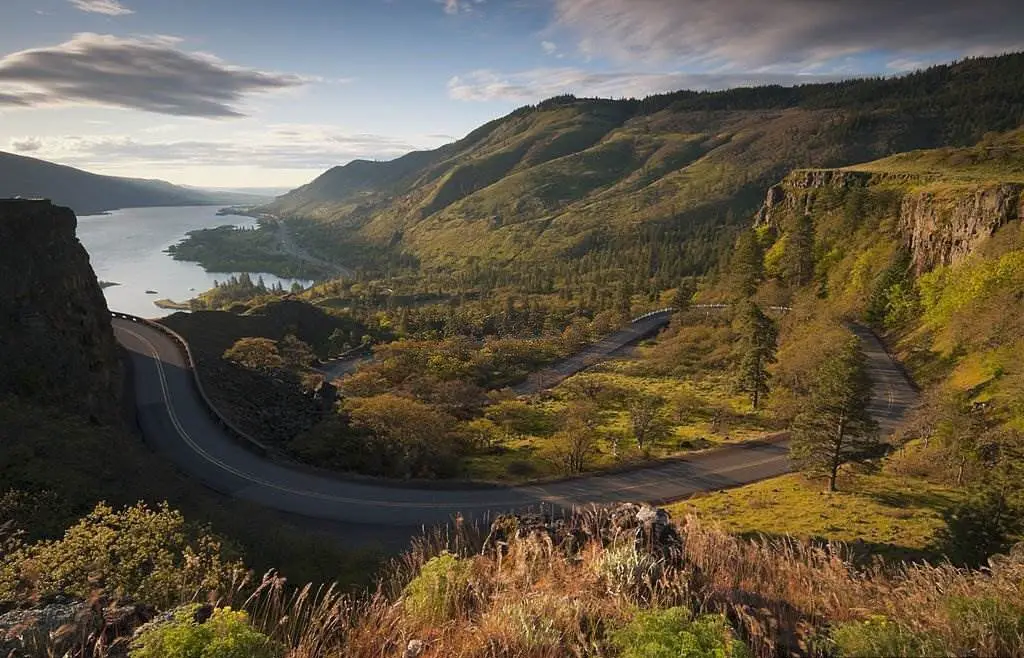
569, 593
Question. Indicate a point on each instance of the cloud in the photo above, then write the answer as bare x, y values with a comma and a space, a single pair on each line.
287, 146
454, 7
107, 7
148, 74
787, 32
538, 84
27, 145
549, 47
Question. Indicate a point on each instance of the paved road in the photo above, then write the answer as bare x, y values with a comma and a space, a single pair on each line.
289, 246
599, 351
175, 421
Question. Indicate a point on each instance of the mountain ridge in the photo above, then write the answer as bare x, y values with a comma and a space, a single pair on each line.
561, 178
89, 193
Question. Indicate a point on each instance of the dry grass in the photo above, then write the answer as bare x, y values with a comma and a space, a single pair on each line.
537, 598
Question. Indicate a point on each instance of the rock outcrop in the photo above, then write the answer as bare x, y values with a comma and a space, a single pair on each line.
941, 224
942, 229
57, 347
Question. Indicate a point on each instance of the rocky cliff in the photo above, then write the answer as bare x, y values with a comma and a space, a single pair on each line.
56, 343
940, 222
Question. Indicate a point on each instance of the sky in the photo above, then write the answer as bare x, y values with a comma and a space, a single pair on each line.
270, 93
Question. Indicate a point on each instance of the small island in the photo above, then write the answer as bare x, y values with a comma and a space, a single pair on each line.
170, 304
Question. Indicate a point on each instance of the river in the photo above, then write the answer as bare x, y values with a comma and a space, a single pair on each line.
127, 247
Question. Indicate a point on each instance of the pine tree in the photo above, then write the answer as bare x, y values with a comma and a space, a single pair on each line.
798, 258
758, 346
835, 427
747, 264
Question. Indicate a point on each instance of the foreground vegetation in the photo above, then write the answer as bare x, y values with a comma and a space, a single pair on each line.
605, 584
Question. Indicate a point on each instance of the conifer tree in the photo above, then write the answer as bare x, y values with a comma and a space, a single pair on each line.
758, 346
835, 427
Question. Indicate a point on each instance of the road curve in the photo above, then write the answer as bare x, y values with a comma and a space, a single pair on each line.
177, 423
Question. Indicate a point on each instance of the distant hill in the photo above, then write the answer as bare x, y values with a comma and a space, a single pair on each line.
88, 193
634, 182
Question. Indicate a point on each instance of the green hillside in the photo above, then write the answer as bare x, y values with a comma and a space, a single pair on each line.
573, 176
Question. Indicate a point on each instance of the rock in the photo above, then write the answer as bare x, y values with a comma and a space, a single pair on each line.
940, 226
649, 528
414, 649
71, 629
58, 347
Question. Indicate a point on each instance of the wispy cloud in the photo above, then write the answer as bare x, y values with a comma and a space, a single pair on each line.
537, 84
454, 7
284, 146
149, 74
107, 7
749, 34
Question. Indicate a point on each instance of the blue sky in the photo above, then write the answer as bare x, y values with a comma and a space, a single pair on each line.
254, 93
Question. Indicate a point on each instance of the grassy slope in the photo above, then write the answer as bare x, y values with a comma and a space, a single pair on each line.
894, 516
545, 181
962, 336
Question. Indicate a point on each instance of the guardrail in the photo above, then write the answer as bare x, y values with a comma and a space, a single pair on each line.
232, 430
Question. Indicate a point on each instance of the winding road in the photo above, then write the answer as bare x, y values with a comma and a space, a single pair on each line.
176, 421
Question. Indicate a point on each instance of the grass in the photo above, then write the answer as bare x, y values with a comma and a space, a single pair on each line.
716, 416
589, 588
895, 516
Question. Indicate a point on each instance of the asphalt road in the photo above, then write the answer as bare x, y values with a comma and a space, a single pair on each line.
176, 423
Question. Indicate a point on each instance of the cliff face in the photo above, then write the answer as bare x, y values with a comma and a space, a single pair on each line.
56, 343
939, 224
942, 229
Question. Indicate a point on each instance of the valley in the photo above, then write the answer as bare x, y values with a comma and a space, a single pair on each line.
790, 316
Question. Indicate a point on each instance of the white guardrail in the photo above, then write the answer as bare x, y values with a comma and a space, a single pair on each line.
232, 430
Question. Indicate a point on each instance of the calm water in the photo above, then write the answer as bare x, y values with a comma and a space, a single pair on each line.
127, 247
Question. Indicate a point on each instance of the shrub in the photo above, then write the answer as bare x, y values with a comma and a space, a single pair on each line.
146, 554
434, 595
994, 625
675, 633
880, 636
631, 573
226, 634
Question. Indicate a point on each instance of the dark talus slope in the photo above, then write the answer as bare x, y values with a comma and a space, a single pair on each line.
56, 344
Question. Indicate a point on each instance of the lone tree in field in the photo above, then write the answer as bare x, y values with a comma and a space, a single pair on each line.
835, 427
759, 340
646, 423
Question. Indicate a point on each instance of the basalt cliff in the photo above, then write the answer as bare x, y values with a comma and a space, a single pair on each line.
57, 347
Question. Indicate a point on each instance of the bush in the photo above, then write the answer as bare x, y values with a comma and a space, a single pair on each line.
631, 573
226, 634
145, 554
879, 636
992, 624
434, 595
674, 633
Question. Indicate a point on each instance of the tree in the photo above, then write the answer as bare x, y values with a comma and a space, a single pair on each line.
415, 436
577, 440
255, 354
747, 264
646, 423
835, 427
798, 258
296, 354
758, 346
684, 294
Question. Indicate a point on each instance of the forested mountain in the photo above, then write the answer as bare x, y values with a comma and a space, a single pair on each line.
88, 193
640, 183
